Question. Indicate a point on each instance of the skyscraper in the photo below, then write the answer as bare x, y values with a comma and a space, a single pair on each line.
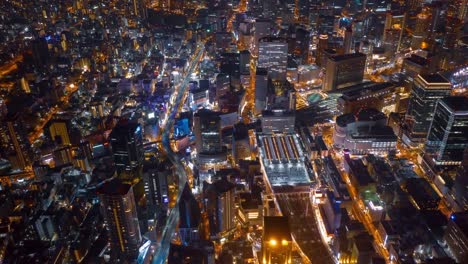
448, 133
343, 70
120, 214
456, 236
207, 129
262, 29
190, 216
14, 141
427, 89
155, 176
261, 89
126, 140
273, 55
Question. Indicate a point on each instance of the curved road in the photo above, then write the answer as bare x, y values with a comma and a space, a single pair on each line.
162, 251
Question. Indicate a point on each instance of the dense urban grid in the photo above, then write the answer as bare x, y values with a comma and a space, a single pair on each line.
234, 131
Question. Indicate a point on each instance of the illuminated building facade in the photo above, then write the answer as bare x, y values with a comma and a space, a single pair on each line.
126, 140
120, 213
448, 133
343, 70
427, 89
273, 55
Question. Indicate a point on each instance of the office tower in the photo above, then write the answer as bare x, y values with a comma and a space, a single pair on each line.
230, 65
322, 45
302, 44
189, 217
448, 133
261, 89
207, 129
155, 176
348, 43
277, 241
344, 70
244, 62
273, 55
219, 204
60, 129
241, 143
456, 236
427, 89
120, 214
417, 65
14, 142
126, 141
421, 30
40, 52
262, 29
223, 85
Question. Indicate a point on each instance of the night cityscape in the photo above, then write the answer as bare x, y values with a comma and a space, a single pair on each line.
234, 131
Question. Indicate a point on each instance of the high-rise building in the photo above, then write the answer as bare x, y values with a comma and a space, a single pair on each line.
322, 45
126, 141
277, 241
190, 217
262, 29
155, 176
261, 89
207, 129
241, 144
427, 89
219, 204
273, 55
448, 133
348, 43
244, 62
14, 142
456, 236
120, 214
344, 70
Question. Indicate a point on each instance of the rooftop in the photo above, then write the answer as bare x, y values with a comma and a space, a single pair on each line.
434, 79
347, 56
456, 103
113, 187
276, 228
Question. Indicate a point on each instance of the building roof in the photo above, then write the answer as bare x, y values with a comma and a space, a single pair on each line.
276, 228
370, 114
456, 103
347, 56
434, 78
113, 187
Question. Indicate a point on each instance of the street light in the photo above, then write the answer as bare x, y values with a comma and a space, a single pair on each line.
273, 242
